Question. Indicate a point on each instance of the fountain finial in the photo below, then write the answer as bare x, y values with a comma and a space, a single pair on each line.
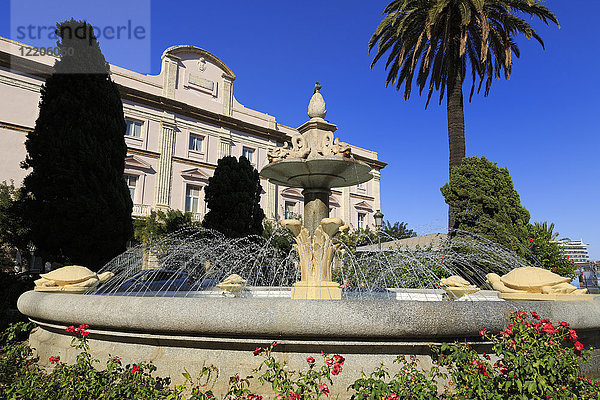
316, 106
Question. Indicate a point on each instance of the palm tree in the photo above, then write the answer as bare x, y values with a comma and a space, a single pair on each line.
548, 230
440, 39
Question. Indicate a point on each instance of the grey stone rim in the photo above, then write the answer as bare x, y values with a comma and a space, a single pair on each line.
384, 320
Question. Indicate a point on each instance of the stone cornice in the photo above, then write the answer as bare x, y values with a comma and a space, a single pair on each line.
200, 114
173, 50
317, 123
193, 162
14, 127
147, 153
361, 196
40, 70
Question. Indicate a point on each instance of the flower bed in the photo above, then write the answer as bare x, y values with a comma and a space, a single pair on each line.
532, 359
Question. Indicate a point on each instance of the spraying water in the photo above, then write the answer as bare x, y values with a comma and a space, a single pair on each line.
192, 261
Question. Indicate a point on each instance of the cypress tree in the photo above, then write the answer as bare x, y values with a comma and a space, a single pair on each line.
233, 197
77, 203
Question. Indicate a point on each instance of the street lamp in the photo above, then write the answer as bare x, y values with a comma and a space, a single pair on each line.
378, 217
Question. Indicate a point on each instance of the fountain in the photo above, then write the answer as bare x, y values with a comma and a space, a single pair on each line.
316, 163
390, 305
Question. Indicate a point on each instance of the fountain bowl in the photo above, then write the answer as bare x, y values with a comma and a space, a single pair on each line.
178, 332
321, 172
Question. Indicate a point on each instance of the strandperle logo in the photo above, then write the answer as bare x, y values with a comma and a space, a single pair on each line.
127, 31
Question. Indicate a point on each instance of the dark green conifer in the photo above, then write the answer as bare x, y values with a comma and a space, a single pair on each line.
487, 203
76, 200
233, 197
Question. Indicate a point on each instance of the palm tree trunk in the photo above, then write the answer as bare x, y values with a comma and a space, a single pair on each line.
456, 130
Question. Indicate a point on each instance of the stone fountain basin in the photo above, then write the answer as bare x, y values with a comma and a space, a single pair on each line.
177, 333
321, 172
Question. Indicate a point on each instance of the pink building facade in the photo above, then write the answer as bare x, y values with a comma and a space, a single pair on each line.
179, 123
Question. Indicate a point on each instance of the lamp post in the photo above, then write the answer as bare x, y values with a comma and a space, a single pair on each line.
31, 247
378, 217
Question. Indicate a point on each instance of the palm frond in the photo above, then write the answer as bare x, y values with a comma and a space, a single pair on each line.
440, 40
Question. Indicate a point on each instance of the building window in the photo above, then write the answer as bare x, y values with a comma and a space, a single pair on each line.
290, 210
361, 221
196, 143
249, 154
134, 128
192, 199
131, 181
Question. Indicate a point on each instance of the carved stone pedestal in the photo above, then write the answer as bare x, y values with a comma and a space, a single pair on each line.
323, 290
316, 255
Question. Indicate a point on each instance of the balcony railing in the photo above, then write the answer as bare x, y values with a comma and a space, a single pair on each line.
141, 210
144, 210
197, 217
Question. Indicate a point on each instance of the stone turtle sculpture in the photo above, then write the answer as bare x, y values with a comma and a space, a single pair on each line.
533, 283
72, 279
457, 286
232, 284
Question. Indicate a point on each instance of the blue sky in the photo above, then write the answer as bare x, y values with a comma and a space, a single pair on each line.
542, 124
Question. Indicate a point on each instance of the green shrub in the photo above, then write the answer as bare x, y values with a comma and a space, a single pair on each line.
408, 383
25, 380
16, 357
534, 359
544, 251
22, 378
296, 385
11, 287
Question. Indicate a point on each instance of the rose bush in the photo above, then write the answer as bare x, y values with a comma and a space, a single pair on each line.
532, 359
409, 382
311, 383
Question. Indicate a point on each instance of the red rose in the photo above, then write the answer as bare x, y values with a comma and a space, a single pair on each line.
578, 346
54, 359
482, 332
549, 328
339, 359
572, 336
337, 368
328, 361
84, 333
393, 396
323, 388
310, 360
70, 329
531, 239
135, 368
563, 323
535, 315
258, 350
295, 396
82, 327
